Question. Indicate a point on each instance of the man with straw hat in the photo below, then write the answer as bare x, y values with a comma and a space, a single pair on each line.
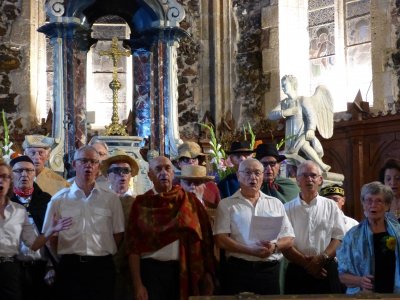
189, 154
38, 148
119, 169
193, 177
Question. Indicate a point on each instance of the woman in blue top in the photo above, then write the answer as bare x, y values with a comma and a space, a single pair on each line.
369, 254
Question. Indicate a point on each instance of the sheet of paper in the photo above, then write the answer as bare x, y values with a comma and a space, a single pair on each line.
265, 228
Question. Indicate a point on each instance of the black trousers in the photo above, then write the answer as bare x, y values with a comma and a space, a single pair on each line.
161, 278
33, 285
10, 281
298, 281
85, 277
246, 276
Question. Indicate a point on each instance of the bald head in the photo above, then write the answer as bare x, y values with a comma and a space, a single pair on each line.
161, 173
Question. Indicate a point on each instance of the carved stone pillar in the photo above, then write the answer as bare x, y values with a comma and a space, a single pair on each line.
71, 42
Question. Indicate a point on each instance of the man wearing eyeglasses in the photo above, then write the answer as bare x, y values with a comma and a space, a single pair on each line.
239, 151
37, 147
282, 188
319, 228
119, 169
37, 270
251, 265
86, 269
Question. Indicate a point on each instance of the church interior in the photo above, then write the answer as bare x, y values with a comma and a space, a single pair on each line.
157, 69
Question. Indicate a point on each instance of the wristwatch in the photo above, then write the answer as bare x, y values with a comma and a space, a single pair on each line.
276, 248
325, 256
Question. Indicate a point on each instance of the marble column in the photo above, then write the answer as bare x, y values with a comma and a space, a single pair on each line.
71, 42
156, 88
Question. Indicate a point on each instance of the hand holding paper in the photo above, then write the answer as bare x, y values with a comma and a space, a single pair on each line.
265, 228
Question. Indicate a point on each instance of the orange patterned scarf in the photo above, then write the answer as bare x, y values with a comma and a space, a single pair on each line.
157, 220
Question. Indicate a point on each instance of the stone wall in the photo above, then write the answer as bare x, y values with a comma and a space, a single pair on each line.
394, 61
11, 55
15, 93
188, 72
251, 82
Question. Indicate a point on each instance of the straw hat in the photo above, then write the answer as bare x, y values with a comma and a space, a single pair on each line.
194, 173
189, 149
119, 155
37, 141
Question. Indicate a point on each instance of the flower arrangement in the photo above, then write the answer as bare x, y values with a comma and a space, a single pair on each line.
220, 161
389, 243
6, 151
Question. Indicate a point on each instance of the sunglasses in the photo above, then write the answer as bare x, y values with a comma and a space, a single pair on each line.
119, 171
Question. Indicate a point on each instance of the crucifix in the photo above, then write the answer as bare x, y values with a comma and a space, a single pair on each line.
115, 53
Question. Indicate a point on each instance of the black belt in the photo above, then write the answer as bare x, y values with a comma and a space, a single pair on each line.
85, 258
161, 262
252, 264
5, 259
31, 263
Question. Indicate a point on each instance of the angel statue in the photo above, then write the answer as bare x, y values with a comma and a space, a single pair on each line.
303, 116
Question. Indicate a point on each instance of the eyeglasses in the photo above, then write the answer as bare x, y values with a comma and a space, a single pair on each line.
312, 175
41, 153
269, 163
119, 171
248, 173
369, 201
85, 161
20, 171
188, 160
5, 176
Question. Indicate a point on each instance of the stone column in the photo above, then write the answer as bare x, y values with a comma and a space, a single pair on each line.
71, 42
156, 88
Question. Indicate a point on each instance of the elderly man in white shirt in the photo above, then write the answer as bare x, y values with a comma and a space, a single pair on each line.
319, 228
251, 266
86, 269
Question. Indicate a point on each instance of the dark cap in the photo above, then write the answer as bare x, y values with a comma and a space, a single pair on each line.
19, 159
268, 150
240, 147
330, 190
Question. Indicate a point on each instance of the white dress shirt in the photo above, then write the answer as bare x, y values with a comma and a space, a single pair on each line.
315, 224
95, 219
234, 215
25, 253
14, 229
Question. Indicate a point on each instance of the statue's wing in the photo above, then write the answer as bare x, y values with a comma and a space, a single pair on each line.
323, 106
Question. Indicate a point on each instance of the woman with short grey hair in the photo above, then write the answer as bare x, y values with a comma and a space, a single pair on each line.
367, 257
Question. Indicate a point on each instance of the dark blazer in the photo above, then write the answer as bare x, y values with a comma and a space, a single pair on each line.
37, 206
228, 186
